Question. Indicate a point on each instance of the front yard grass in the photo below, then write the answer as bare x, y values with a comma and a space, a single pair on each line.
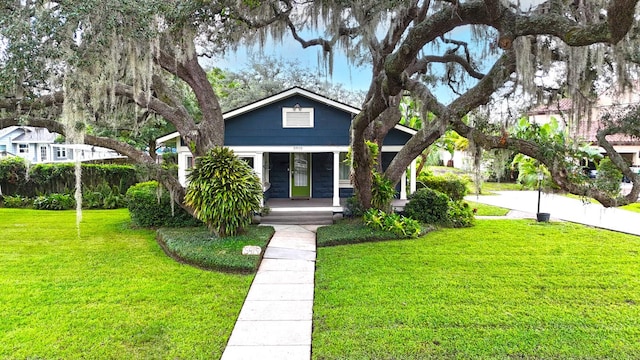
504, 289
635, 207
109, 293
487, 210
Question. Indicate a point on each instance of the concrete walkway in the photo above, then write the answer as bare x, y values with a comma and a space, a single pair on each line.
275, 320
565, 208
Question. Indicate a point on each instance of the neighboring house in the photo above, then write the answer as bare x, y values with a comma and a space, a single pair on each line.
37, 145
586, 127
296, 141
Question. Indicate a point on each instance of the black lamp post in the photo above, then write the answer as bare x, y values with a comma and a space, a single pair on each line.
541, 217
540, 177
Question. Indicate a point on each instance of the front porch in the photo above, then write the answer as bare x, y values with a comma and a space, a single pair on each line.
318, 205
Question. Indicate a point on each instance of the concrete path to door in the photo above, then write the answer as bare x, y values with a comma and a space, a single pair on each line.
275, 320
565, 208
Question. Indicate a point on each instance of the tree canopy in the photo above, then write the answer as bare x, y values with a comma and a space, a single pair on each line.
70, 65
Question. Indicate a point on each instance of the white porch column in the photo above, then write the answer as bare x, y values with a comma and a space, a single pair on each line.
403, 186
412, 168
257, 167
336, 178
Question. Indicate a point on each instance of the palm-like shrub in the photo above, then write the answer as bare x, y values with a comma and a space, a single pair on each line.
223, 191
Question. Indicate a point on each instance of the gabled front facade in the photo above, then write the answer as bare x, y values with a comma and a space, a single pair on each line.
37, 145
296, 141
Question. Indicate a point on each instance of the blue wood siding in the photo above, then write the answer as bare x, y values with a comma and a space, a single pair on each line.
346, 193
386, 160
396, 137
279, 175
263, 126
322, 175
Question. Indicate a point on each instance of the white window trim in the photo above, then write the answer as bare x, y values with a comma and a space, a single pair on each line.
343, 183
286, 111
61, 153
23, 148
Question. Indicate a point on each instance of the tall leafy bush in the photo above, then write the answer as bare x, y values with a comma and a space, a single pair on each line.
13, 171
453, 186
428, 206
224, 191
609, 177
150, 207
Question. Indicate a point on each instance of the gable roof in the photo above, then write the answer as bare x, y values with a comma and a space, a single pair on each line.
4, 132
287, 94
284, 95
35, 135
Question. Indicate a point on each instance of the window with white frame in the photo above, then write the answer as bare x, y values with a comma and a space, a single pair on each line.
189, 162
248, 160
43, 153
344, 170
61, 153
297, 117
23, 148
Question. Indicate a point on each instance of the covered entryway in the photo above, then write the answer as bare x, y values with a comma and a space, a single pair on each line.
300, 175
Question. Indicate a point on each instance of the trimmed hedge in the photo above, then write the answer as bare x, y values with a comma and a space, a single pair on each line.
433, 207
43, 179
428, 206
149, 206
453, 186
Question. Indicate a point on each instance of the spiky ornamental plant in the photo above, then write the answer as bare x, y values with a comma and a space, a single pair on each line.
224, 191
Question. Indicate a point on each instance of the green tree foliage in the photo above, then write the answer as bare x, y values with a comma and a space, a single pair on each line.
453, 186
608, 178
224, 192
556, 147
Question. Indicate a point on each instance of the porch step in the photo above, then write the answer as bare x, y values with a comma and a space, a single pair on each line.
298, 218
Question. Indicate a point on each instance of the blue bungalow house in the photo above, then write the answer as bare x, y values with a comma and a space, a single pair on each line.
296, 142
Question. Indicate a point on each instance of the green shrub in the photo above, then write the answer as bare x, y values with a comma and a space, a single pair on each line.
13, 171
428, 206
453, 186
103, 196
460, 214
398, 225
16, 201
60, 177
54, 202
224, 191
352, 207
150, 207
609, 177
382, 192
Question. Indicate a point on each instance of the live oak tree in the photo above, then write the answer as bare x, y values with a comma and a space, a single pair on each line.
69, 64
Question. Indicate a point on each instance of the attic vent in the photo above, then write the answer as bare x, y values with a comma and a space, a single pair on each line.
297, 117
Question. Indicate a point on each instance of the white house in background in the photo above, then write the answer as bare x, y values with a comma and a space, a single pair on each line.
37, 145
587, 126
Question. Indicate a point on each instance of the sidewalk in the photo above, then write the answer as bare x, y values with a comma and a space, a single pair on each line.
275, 320
565, 208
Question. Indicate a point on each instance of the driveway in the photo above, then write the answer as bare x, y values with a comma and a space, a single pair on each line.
564, 208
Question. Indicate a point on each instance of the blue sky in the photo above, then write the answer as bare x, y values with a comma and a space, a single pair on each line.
352, 77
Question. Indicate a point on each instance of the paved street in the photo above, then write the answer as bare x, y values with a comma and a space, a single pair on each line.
564, 208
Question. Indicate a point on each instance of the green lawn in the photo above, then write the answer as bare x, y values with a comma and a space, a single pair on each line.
488, 210
110, 293
635, 207
504, 289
